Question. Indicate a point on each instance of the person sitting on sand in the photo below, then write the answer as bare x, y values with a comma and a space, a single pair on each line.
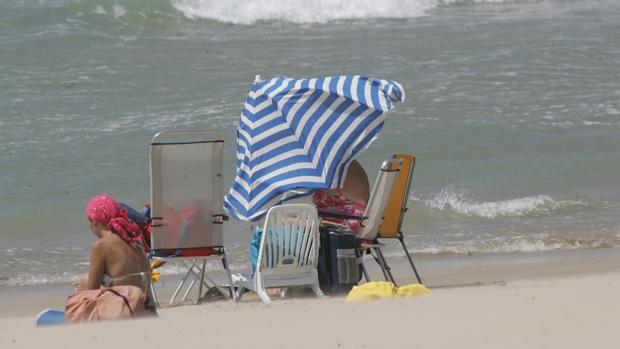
117, 257
350, 200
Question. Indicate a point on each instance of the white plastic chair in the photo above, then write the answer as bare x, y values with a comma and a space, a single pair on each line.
288, 253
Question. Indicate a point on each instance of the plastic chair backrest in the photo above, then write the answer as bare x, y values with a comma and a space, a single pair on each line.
186, 190
290, 238
397, 204
379, 198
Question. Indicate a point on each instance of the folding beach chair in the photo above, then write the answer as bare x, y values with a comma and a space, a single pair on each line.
391, 227
186, 206
288, 253
373, 216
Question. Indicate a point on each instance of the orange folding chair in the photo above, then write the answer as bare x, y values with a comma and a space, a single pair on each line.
391, 226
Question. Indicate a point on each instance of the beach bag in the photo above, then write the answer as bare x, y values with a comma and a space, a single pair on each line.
384, 290
108, 303
338, 268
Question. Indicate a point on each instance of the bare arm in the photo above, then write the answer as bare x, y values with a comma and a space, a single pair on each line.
97, 266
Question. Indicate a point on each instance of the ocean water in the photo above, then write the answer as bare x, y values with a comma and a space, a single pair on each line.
513, 111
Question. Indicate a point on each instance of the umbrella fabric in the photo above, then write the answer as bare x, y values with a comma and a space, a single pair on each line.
296, 136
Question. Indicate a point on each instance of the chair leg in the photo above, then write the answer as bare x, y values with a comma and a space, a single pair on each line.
188, 290
190, 272
316, 288
154, 295
264, 297
181, 284
202, 280
360, 257
375, 256
260, 290
206, 280
198, 273
224, 292
239, 293
402, 242
234, 295
384, 266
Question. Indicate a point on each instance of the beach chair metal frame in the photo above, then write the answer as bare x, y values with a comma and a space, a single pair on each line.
288, 253
398, 206
373, 217
192, 244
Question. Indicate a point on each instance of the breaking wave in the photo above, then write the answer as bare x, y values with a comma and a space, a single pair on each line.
504, 245
147, 13
450, 200
310, 11
30, 279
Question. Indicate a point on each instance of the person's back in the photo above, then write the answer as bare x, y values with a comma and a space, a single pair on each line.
125, 263
356, 185
117, 257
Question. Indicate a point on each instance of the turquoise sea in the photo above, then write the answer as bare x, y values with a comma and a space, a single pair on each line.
513, 111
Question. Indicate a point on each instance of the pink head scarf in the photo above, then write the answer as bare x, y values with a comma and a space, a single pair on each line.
104, 209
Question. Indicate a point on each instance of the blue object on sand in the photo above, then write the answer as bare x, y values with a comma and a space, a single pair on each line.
50, 317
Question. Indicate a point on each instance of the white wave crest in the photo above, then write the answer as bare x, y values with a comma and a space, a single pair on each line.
506, 245
172, 268
302, 11
457, 202
29, 279
310, 11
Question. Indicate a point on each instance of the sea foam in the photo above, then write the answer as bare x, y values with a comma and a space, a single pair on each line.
308, 11
30, 279
451, 200
500, 244
246, 12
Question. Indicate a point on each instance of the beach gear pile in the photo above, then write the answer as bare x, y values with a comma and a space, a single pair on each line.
297, 136
384, 290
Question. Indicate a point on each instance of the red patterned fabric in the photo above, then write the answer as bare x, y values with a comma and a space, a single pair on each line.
335, 201
104, 209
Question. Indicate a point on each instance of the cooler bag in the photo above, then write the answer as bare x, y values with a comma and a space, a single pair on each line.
338, 267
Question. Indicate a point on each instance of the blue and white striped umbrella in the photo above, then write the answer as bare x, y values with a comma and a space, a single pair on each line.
296, 136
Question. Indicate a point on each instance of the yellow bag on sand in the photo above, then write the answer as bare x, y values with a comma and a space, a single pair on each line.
371, 291
411, 290
384, 290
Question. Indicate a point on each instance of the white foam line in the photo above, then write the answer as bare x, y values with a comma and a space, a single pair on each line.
449, 199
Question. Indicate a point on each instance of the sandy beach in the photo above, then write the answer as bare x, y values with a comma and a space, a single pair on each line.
512, 111
563, 299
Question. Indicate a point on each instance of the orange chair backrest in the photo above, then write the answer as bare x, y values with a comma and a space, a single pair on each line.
392, 218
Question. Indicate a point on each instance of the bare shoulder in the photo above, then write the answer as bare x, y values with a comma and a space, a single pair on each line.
106, 243
98, 245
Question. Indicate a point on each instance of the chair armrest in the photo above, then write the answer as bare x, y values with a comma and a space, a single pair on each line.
340, 215
219, 218
334, 224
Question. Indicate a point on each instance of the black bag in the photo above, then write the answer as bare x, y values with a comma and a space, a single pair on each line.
339, 269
